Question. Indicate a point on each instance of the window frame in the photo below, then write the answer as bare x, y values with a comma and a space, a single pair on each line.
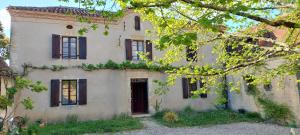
69, 92
69, 47
137, 23
137, 44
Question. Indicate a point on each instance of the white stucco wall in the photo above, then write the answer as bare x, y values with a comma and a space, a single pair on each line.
108, 90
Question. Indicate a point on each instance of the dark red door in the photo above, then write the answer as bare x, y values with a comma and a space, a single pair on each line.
139, 96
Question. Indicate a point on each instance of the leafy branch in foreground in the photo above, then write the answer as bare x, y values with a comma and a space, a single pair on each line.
7, 102
205, 24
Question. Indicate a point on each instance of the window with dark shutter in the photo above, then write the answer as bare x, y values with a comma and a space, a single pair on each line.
55, 46
191, 54
185, 88
192, 87
82, 91
269, 35
128, 48
149, 49
268, 87
69, 48
69, 92
137, 23
54, 95
82, 47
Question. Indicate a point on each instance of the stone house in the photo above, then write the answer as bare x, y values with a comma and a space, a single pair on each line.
283, 89
46, 36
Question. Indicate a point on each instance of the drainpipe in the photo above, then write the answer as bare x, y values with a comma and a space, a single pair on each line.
226, 92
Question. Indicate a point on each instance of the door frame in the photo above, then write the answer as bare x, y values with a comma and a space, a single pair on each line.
146, 105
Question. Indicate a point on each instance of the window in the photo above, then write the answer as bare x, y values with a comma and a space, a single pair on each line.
191, 54
69, 48
189, 87
69, 92
268, 87
137, 47
137, 23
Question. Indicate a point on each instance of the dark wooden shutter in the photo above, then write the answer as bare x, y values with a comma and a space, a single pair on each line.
82, 91
54, 97
137, 23
185, 88
128, 48
149, 49
55, 46
82, 48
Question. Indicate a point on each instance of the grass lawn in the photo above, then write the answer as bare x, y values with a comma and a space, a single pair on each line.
192, 118
116, 124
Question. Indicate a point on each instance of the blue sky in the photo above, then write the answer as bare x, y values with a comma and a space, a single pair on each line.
5, 18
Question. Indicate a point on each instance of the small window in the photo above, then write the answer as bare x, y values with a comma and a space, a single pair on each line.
69, 92
69, 27
268, 87
192, 87
267, 34
137, 23
137, 47
191, 54
69, 48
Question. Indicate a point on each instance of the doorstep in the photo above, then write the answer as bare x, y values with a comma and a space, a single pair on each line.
141, 115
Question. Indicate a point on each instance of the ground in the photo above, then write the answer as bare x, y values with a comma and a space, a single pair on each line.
152, 128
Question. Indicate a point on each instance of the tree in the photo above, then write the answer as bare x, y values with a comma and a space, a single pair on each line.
8, 104
4, 41
194, 24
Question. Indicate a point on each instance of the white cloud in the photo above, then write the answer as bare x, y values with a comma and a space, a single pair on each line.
5, 20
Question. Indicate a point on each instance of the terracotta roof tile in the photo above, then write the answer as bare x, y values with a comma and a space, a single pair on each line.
58, 9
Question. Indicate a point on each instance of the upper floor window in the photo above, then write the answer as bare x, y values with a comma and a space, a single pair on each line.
69, 47
266, 34
137, 23
134, 47
191, 54
66, 47
69, 92
137, 48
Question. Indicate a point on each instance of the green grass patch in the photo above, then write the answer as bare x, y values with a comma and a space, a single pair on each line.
120, 123
192, 118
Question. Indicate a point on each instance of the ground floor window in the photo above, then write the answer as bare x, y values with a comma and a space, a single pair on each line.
69, 92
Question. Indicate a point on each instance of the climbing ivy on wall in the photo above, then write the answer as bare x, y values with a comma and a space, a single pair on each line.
276, 112
108, 65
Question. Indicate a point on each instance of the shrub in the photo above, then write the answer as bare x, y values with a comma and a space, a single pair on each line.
170, 117
279, 113
188, 109
73, 118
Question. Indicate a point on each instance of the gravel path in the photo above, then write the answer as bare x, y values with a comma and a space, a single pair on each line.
152, 128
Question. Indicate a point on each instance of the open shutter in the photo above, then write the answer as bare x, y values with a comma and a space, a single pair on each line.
128, 48
54, 97
82, 48
149, 49
185, 88
137, 23
82, 91
55, 46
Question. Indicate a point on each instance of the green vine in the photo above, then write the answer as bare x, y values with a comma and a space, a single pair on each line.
108, 65
276, 112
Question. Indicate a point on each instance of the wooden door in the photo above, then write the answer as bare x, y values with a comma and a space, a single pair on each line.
139, 97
